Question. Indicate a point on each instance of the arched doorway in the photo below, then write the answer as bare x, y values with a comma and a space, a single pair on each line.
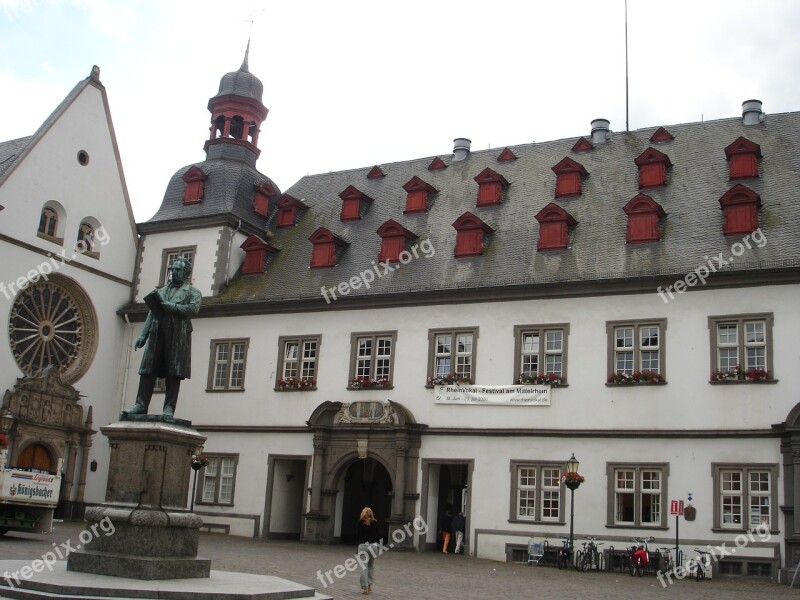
366, 482
36, 457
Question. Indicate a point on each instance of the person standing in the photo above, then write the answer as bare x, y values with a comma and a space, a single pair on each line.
368, 535
445, 527
458, 528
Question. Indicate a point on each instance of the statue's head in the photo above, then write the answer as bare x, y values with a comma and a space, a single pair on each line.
180, 269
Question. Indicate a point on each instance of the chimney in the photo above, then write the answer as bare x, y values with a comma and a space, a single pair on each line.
600, 131
752, 113
460, 148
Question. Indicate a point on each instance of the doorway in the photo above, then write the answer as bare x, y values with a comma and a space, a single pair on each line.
286, 497
445, 488
365, 482
37, 458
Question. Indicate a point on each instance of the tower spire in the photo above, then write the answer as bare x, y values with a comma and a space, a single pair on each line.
245, 66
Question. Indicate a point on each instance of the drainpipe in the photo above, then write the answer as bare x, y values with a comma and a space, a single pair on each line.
127, 362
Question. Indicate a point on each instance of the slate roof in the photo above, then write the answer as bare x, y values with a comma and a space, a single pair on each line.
10, 150
692, 230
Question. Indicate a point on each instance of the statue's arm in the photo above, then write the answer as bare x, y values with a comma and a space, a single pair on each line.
189, 306
148, 324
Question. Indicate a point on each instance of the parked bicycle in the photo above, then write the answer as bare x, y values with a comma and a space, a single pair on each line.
590, 556
564, 553
667, 564
700, 564
640, 556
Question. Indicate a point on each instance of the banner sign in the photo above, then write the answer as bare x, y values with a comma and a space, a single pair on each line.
24, 487
493, 395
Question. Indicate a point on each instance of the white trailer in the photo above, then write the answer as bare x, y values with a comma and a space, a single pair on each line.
28, 499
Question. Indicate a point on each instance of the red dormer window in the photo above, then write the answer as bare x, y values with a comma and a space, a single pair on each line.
264, 193
437, 164
643, 215
506, 156
554, 227
418, 192
743, 158
195, 185
661, 135
653, 167
471, 235
288, 208
568, 178
394, 238
490, 187
376, 173
325, 246
256, 252
353, 203
740, 209
582, 145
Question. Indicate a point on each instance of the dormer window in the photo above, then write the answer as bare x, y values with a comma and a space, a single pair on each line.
661, 135
354, 203
643, 216
742, 156
326, 248
437, 164
506, 156
376, 173
264, 193
653, 167
394, 239
554, 227
288, 209
195, 185
471, 235
569, 175
418, 192
256, 254
740, 209
490, 187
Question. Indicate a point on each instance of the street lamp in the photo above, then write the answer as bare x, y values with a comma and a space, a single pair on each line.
198, 462
573, 481
6, 421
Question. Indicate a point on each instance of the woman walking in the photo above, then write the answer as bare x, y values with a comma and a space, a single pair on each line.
367, 536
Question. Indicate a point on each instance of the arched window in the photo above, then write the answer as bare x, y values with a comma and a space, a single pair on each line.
237, 127
48, 222
85, 243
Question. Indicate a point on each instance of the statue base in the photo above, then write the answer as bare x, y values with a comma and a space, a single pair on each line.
143, 530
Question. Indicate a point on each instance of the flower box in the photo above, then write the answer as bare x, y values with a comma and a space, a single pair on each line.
295, 383
363, 383
637, 377
757, 375
450, 379
547, 379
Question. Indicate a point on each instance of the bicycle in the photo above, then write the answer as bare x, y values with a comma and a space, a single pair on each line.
564, 553
590, 556
667, 563
640, 556
699, 564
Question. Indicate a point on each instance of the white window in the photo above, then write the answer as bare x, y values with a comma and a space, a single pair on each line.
452, 356
747, 496
637, 494
228, 364
536, 490
219, 476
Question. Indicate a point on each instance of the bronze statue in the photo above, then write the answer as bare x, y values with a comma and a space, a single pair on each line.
167, 334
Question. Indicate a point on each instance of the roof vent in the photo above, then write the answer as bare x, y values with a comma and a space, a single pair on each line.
460, 148
752, 113
600, 131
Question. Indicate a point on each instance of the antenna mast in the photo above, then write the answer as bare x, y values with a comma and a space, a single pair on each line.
626, 67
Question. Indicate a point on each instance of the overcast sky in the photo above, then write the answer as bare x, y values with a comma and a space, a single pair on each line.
352, 84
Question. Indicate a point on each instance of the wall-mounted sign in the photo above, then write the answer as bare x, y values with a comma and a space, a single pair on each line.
493, 395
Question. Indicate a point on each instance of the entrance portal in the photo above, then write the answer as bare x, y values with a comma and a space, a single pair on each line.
366, 483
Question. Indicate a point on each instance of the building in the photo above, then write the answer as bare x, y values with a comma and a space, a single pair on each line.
68, 242
640, 286
332, 309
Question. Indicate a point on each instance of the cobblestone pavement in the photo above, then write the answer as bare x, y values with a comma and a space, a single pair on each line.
423, 576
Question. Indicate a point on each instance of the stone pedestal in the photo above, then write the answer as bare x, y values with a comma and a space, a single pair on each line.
143, 530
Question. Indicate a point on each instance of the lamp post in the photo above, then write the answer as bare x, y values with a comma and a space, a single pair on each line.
198, 462
573, 481
6, 421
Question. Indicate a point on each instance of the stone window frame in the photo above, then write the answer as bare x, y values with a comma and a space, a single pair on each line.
454, 331
541, 329
745, 469
539, 465
637, 324
374, 335
201, 475
637, 467
301, 340
740, 319
212, 364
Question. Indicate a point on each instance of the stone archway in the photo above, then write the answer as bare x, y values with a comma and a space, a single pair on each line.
384, 432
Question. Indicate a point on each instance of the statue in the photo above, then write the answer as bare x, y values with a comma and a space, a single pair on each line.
167, 334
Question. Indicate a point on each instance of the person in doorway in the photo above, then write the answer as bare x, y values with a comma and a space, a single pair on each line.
458, 527
368, 537
444, 528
